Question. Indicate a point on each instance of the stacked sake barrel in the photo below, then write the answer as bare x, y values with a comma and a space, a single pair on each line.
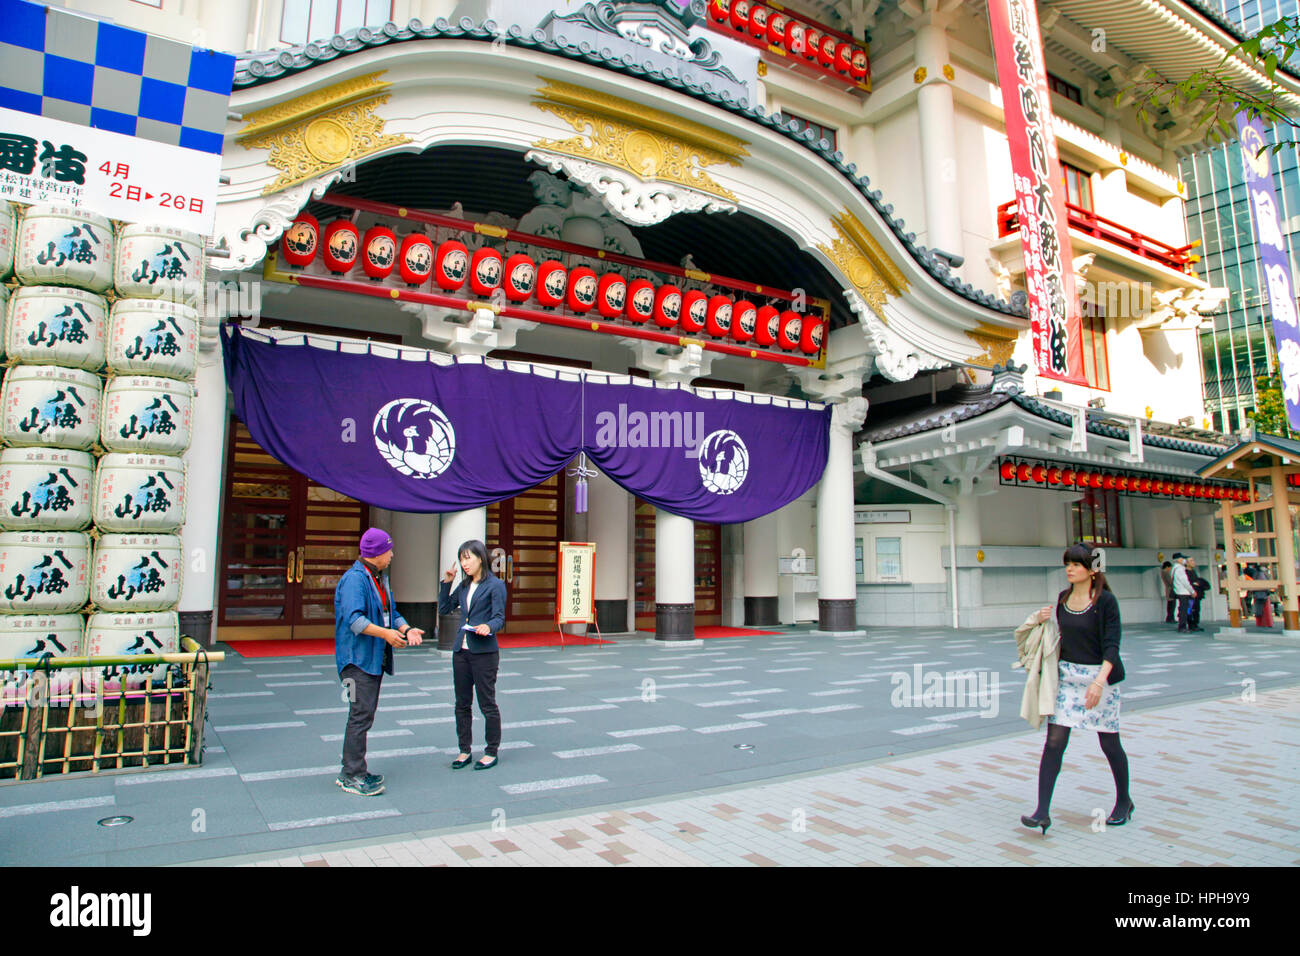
100, 341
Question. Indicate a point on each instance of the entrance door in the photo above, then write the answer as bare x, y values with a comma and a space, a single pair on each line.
708, 570
523, 533
286, 540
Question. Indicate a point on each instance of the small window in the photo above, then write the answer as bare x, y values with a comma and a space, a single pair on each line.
1067, 90
1096, 366
819, 132
889, 559
858, 563
1078, 186
1095, 519
307, 20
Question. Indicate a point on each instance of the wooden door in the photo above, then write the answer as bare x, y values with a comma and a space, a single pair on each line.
523, 533
708, 570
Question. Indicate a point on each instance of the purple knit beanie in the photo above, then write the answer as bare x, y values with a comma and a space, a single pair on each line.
375, 542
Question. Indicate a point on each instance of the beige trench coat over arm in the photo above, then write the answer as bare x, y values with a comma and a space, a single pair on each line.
1039, 647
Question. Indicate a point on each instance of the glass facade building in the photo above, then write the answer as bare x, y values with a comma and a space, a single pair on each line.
1239, 347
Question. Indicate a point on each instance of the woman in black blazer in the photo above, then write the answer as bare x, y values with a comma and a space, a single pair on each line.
476, 656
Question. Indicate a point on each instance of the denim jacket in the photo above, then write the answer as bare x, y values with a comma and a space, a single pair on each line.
356, 606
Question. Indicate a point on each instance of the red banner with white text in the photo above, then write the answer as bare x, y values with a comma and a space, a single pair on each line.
1040, 194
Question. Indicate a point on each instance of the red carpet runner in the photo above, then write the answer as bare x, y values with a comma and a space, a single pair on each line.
324, 647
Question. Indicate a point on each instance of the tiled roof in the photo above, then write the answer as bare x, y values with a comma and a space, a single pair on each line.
254, 69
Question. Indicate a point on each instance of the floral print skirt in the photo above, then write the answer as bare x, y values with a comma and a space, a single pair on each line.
1071, 707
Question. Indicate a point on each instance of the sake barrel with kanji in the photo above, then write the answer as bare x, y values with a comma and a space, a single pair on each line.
35, 635
159, 262
152, 337
46, 489
44, 572
51, 406
136, 572
147, 414
8, 239
59, 245
4, 315
57, 325
114, 634
139, 492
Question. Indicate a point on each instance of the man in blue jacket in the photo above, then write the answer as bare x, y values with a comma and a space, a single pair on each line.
367, 627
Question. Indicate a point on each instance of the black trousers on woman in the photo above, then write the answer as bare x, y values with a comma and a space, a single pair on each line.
1058, 736
476, 674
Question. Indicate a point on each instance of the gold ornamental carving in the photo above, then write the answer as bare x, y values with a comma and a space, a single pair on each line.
646, 142
864, 263
948, 72
312, 134
919, 75
996, 344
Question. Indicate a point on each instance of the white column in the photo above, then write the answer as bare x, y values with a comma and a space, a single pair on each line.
674, 577
457, 528
934, 104
762, 566
223, 26
414, 573
608, 526
837, 596
204, 474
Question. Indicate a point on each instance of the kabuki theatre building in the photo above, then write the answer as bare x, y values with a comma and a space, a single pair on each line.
848, 313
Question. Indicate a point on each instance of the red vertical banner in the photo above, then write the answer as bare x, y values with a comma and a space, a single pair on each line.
1040, 196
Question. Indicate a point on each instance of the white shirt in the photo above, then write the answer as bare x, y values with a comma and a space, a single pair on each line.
469, 595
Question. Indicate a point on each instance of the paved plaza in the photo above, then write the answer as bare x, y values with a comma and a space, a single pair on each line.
788, 748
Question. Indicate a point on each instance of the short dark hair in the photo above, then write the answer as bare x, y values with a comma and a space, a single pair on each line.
479, 550
1167, 564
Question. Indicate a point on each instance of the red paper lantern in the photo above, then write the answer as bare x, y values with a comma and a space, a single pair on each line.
767, 325
485, 270
826, 50
583, 286
758, 15
641, 300
415, 262
717, 318
552, 281
379, 252
451, 265
814, 331
859, 68
1067, 476
301, 240
668, 306
720, 10
791, 328
695, 307
341, 244
812, 43
796, 35
744, 318
1122, 483
776, 24
611, 295
740, 14
1039, 474
1082, 479
1098, 479
1008, 471
520, 277
1053, 476
1022, 472
844, 58
1109, 482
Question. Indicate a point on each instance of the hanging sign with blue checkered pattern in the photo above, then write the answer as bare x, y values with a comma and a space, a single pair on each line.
116, 121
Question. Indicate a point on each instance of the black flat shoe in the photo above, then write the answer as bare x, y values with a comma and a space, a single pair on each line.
461, 762
1120, 817
1044, 821
486, 766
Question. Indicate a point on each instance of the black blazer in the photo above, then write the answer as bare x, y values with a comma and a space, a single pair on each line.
488, 607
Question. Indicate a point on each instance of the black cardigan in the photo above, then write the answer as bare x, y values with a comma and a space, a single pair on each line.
1092, 636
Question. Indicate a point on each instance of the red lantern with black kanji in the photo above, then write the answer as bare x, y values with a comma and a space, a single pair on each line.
1122, 483
717, 318
776, 24
1039, 474
740, 14
720, 10
668, 306
859, 68
1053, 476
640, 300
744, 317
583, 286
611, 295
301, 239
485, 269
341, 243
379, 252
1008, 471
1082, 479
552, 281
695, 307
1096, 479
811, 340
1146, 485
451, 265
1067, 477
758, 15
844, 58
767, 325
796, 35
415, 261
1022, 472
1109, 482
826, 51
520, 277
812, 43
791, 328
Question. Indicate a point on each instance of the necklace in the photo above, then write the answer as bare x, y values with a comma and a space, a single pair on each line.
1082, 610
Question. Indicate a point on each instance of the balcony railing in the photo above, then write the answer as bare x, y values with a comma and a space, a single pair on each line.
1180, 258
795, 41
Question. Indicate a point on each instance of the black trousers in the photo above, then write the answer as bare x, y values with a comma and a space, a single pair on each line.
1184, 609
1194, 612
1169, 610
364, 699
476, 674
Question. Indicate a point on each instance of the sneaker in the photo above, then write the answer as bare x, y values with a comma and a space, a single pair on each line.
375, 778
361, 786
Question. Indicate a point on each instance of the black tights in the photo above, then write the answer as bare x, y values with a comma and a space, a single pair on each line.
1058, 736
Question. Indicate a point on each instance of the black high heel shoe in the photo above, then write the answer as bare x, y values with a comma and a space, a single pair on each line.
1044, 821
1117, 819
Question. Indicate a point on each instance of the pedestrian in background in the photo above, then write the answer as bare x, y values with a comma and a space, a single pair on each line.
1199, 586
1183, 590
367, 627
1087, 617
1167, 580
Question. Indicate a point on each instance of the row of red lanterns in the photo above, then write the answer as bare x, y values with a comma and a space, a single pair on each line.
1081, 478
452, 267
792, 35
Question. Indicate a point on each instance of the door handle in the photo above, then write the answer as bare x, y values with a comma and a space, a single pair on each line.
510, 568
302, 562
288, 570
